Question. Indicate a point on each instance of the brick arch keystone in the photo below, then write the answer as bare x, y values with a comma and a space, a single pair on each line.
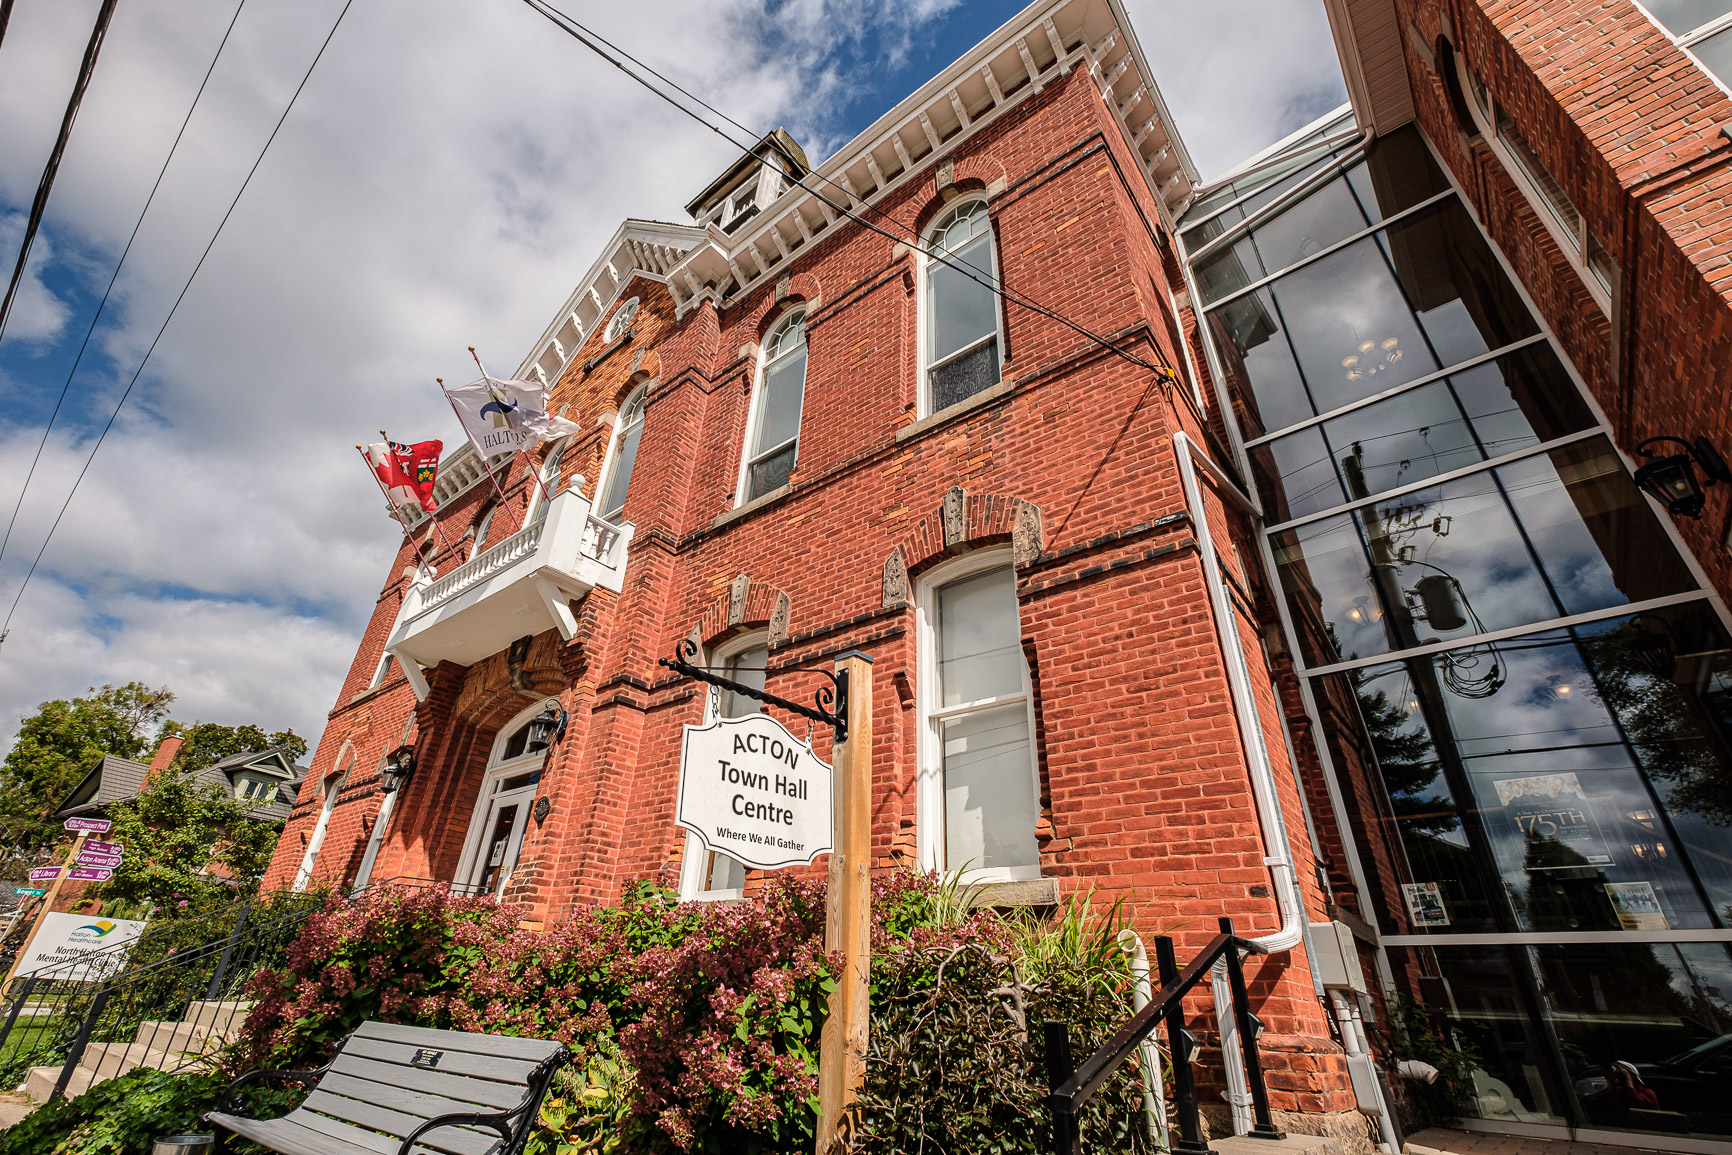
963, 522
746, 604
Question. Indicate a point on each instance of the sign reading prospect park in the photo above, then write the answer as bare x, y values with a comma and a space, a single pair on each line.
753, 791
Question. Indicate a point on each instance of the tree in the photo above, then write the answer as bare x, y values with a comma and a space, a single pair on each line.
173, 832
59, 744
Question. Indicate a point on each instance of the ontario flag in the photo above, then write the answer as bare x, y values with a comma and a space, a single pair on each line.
407, 471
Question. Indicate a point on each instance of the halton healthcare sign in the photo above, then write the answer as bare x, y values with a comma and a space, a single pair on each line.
751, 790
66, 938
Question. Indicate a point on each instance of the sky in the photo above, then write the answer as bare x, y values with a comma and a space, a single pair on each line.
450, 171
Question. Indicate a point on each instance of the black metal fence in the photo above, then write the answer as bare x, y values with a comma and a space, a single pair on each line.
159, 1004
1071, 1085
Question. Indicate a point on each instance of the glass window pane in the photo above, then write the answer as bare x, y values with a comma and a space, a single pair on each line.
979, 647
724, 873
1715, 53
779, 401
770, 473
1325, 216
989, 801
963, 309
1258, 363
956, 381
1683, 16
613, 503
747, 668
1398, 173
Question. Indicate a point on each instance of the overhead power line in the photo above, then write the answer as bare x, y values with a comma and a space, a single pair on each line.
613, 55
6, 627
5, 18
97, 316
40, 204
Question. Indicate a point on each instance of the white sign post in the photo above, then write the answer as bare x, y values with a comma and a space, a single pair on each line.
751, 790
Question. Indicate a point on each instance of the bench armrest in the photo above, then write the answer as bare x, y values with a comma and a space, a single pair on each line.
494, 1119
256, 1076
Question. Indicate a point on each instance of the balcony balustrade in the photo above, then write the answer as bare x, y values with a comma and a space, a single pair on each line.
522, 586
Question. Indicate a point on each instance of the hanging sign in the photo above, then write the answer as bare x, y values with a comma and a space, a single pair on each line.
88, 825
89, 874
67, 938
753, 791
45, 874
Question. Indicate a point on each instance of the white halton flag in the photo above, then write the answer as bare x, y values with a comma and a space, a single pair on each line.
502, 417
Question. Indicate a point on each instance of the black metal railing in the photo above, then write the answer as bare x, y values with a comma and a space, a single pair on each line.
1071, 1086
120, 999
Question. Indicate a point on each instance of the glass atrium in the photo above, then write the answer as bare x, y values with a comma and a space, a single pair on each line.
1523, 691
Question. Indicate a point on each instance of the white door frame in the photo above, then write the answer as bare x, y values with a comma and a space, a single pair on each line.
481, 813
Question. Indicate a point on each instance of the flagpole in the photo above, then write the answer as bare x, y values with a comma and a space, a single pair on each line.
533, 472
408, 536
485, 468
433, 517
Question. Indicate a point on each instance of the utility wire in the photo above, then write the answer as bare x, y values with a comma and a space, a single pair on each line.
76, 361
40, 204
595, 43
5, 18
6, 627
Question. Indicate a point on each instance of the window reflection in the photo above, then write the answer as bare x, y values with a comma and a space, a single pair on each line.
1587, 787
1559, 533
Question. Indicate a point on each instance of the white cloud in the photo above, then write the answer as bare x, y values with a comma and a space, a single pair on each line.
37, 314
1239, 74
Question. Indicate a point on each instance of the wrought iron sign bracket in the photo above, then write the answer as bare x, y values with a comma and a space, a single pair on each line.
830, 702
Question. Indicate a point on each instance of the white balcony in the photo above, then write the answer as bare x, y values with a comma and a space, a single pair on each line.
519, 587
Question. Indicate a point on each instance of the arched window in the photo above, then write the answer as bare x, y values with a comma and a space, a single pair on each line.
626, 433
328, 791
501, 814
773, 437
542, 495
962, 338
480, 532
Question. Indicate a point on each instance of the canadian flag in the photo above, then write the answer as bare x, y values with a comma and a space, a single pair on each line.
407, 471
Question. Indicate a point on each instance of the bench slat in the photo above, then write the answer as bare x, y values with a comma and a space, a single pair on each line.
359, 1139
289, 1137
504, 1046
403, 1099
485, 1093
455, 1140
513, 1071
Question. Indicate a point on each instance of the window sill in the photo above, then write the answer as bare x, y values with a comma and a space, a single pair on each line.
1034, 892
753, 506
961, 409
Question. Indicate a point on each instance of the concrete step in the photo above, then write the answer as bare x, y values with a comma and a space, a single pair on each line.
39, 1083
108, 1060
1293, 1144
177, 1035
221, 1018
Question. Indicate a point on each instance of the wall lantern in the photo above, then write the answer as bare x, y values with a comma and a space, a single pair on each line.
1672, 477
546, 727
399, 767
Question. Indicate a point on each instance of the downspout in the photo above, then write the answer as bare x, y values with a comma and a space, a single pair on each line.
1278, 854
1154, 1097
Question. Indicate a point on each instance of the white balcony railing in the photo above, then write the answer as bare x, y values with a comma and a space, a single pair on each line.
522, 586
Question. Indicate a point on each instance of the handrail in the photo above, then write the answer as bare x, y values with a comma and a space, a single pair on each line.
1071, 1088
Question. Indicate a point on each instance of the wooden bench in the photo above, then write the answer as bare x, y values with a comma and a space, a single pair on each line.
394, 1090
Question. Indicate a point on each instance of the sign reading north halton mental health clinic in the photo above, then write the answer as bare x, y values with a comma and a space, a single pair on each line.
753, 791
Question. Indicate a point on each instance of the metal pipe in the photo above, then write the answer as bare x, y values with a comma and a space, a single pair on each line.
1154, 1087
1278, 853
1354, 1041
1227, 1023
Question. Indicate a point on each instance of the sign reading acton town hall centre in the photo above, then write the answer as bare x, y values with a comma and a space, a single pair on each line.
751, 790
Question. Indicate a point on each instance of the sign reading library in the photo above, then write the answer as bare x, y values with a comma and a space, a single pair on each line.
753, 791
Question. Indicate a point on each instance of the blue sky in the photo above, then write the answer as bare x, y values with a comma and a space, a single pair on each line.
451, 169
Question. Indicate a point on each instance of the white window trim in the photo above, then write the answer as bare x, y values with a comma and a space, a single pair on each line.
482, 529
332, 786
379, 670
754, 414
694, 862
610, 459
541, 495
1688, 40
497, 770
1574, 244
929, 782
923, 387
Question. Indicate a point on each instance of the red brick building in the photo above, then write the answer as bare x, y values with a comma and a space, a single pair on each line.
1285, 563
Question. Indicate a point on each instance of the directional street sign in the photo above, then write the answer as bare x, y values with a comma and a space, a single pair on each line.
89, 874
45, 874
88, 825
28, 890
96, 847
87, 858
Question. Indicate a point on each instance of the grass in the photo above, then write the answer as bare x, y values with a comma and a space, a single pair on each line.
27, 1033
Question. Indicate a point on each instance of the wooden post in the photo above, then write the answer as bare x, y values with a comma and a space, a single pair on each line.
848, 910
47, 905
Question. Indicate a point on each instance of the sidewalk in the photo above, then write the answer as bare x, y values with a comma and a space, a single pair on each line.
1447, 1141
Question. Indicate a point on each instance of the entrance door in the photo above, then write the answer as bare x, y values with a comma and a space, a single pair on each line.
501, 814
